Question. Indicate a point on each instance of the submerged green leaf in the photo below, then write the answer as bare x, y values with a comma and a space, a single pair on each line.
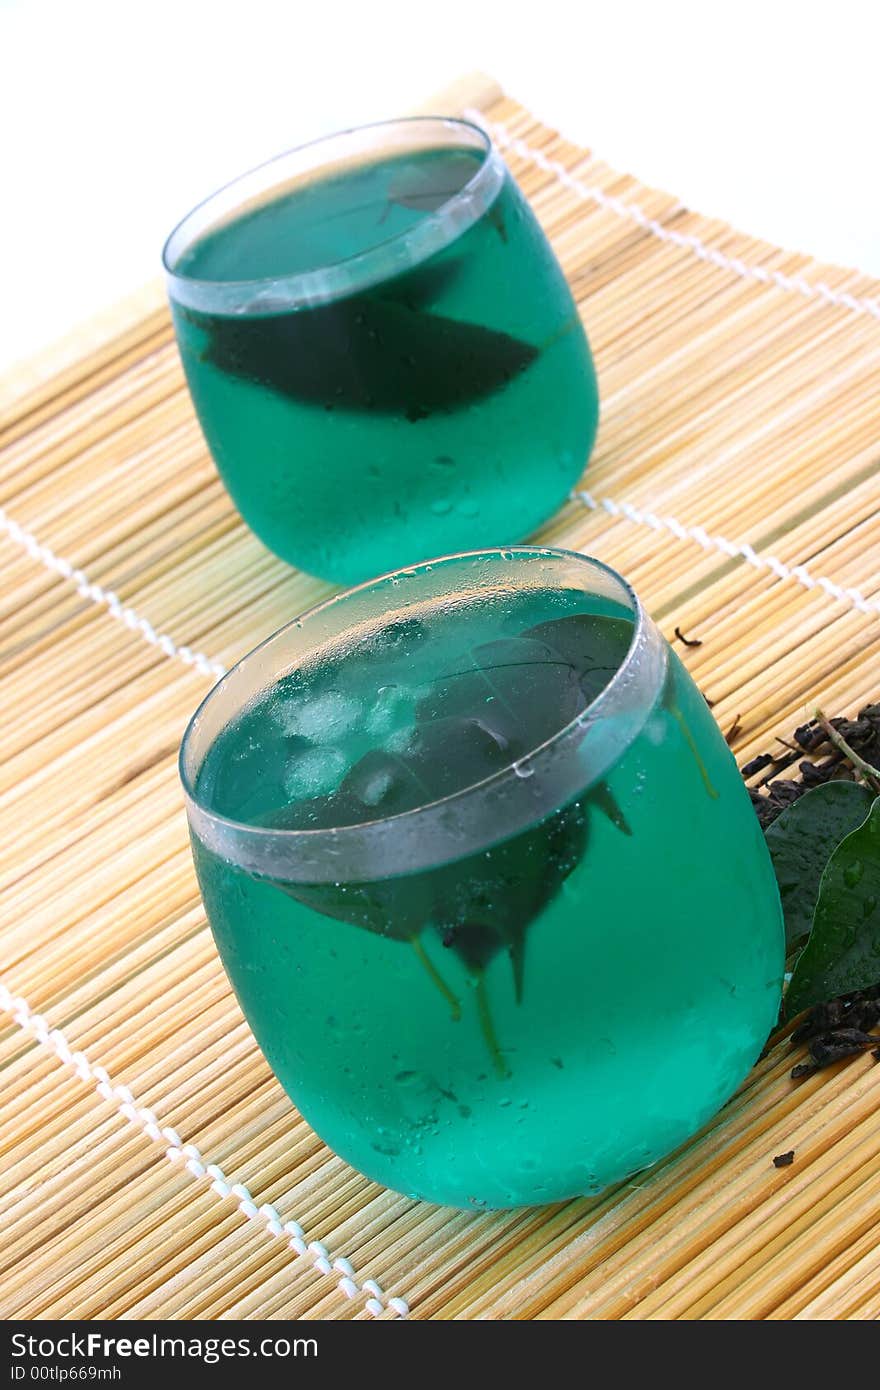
379, 351
801, 841
479, 905
602, 797
843, 951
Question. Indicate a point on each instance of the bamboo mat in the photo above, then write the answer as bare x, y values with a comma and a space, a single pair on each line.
151, 1165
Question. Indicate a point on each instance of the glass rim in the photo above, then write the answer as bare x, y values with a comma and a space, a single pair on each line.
393, 254
631, 690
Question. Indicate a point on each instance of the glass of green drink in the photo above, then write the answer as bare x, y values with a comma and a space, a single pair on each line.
382, 349
485, 878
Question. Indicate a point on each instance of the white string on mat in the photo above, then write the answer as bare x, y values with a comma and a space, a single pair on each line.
632, 212
736, 550
106, 598
625, 511
176, 1151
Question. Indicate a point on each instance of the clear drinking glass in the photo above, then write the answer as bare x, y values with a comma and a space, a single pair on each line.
485, 878
382, 349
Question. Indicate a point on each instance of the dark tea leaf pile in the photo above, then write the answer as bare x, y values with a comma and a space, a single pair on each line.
771, 794
839, 1029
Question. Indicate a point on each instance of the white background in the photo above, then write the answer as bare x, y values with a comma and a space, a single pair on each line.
117, 117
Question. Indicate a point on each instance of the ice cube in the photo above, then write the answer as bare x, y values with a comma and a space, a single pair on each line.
376, 780
314, 771
377, 788
400, 740
392, 707
323, 719
382, 783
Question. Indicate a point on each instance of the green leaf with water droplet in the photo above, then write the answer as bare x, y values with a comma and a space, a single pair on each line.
843, 951
801, 841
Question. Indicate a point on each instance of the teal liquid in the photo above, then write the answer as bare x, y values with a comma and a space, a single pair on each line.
454, 403
540, 1017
